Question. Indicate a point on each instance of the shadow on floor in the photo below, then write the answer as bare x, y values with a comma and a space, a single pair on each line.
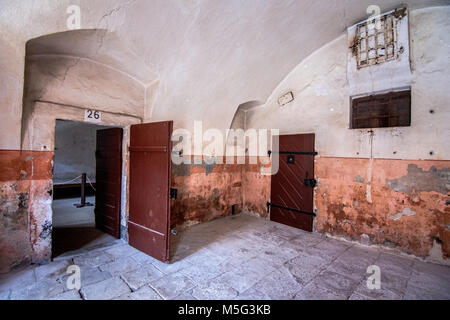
66, 239
199, 236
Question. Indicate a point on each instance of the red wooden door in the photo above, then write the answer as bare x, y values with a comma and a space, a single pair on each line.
150, 173
108, 180
293, 185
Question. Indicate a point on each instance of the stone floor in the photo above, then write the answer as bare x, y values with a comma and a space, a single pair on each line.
65, 214
239, 257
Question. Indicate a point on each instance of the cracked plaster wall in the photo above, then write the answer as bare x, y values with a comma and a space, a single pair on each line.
82, 82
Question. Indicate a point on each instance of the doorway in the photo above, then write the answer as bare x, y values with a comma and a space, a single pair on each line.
88, 160
292, 188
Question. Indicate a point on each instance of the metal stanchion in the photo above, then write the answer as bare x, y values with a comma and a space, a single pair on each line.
83, 194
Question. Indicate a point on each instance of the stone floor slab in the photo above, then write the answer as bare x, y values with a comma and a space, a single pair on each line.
40, 290
172, 285
122, 251
214, 290
93, 259
18, 278
336, 282
68, 295
313, 291
121, 266
142, 276
279, 285
54, 270
105, 290
145, 293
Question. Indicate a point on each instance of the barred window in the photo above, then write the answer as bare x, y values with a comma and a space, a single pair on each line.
391, 109
376, 41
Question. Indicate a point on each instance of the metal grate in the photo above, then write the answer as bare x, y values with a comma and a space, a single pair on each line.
376, 41
392, 109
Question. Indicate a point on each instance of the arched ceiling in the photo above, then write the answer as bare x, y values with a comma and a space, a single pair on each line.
98, 45
209, 56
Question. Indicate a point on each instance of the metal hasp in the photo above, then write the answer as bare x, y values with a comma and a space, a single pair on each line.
289, 209
310, 183
291, 159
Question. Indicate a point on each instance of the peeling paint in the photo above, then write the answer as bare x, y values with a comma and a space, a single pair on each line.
406, 212
418, 180
256, 187
409, 222
24, 198
46, 230
184, 170
205, 192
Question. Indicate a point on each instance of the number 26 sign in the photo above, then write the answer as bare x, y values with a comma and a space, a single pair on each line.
92, 116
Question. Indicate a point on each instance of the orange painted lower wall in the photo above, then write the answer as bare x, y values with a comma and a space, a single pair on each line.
25, 203
396, 203
205, 192
256, 188
404, 204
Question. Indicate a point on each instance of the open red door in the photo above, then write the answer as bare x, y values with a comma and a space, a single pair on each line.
150, 173
108, 180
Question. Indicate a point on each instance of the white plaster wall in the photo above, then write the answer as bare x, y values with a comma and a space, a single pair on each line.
322, 100
208, 56
82, 82
74, 85
75, 145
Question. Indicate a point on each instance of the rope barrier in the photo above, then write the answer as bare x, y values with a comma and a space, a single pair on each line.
74, 179
89, 180
67, 182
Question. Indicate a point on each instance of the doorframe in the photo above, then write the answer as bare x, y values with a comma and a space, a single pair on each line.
124, 173
44, 115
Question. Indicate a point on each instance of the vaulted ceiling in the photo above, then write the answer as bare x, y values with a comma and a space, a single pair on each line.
208, 56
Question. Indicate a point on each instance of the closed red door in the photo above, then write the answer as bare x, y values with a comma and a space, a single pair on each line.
150, 173
108, 180
292, 191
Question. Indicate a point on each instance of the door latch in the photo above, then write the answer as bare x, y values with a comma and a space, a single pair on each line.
310, 183
291, 159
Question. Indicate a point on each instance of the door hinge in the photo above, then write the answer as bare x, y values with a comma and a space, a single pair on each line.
301, 153
269, 204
